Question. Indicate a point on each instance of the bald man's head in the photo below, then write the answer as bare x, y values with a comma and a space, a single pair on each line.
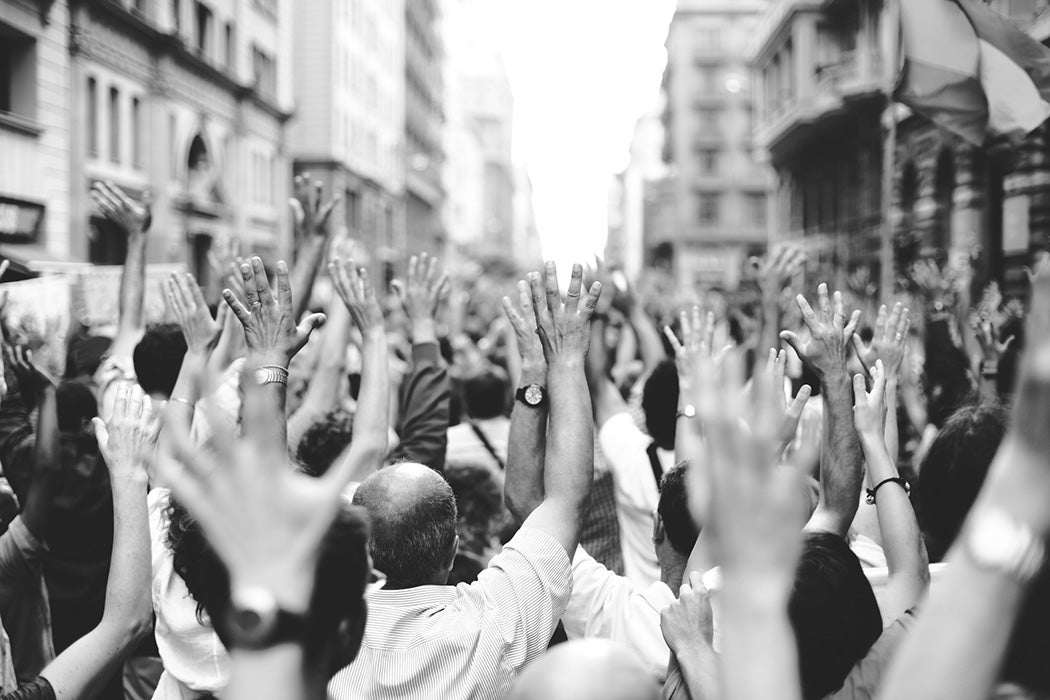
586, 669
413, 524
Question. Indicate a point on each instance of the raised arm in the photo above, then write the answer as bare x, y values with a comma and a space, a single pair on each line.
311, 216
959, 643
605, 399
688, 628
771, 274
135, 219
527, 443
841, 464
201, 331
273, 339
901, 539
369, 443
425, 392
650, 346
126, 442
889, 344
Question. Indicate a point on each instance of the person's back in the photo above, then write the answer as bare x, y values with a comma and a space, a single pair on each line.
426, 639
586, 670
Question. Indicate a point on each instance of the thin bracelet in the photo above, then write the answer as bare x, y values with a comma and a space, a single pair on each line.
870, 498
191, 405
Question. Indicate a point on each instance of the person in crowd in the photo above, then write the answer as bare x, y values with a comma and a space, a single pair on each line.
481, 436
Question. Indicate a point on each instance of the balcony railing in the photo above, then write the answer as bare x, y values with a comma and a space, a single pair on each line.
855, 71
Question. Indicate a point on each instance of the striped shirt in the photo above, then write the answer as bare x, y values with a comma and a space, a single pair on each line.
468, 641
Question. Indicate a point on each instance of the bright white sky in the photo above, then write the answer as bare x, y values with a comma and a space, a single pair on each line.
582, 72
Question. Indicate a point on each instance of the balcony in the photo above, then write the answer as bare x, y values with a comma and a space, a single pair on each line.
20, 145
854, 81
775, 20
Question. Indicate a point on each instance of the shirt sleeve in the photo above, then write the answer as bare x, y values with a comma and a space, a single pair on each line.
21, 559
595, 592
526, 588
864, 679
39, 689
424, 409
624, 447
17, 443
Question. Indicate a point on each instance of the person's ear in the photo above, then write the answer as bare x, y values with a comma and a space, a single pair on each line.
453, 553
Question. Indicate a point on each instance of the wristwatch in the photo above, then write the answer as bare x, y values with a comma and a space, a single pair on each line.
532, 395
256, 621
997, 542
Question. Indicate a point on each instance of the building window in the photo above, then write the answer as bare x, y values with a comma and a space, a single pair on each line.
114, 125
92, 118
231, 47
17, 73
202, 29
708, 79
173, 156
709, 162
710, 39
136, 132
708, 119
140, 7
264, 72
758, 208
709, 208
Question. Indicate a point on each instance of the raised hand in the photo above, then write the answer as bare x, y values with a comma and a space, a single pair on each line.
270, 330
775, 270
134, 217
355, 289
524, 324
422, 293
128, 440
889, 343
827, 350
698, 339
564, 329
31, 378
868, 410
266, 521
986, 322
309, 209
191, 311
791, 412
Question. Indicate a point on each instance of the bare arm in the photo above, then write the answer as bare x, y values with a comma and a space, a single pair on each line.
135, 218
687, 626
81, 670
527, 443
369, 443
322, 394
772, 274
605, 399
569, 466
311, 217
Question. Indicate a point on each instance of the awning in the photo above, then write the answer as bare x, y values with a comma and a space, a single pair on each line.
27, 259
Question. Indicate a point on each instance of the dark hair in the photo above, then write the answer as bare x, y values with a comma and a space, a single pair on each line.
325, 440
158, 358
673, 507
84, 353
75, 404
410, 546
479, 503
1025, 662
945, 374
833, 612
485, 392
660, 403
953, 471
337, 606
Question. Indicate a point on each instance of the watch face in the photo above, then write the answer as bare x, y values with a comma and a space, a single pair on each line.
689, 411
994, 540
261, 376
533, 395
253, 615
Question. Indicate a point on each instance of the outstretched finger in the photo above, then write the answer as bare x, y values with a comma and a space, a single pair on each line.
679, 351
590, 303
824, 302
851, 326
239, 309
880, 323
808, 316
251, 290
284, 287
792, 339
858, 347
860, 390
572, 304
262, 283
553, 293
528, 313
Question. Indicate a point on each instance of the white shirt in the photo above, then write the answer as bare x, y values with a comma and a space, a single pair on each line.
467, 641
606, 606
624, 447
464, 446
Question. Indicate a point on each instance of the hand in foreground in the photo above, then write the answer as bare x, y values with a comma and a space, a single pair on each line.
134, 217
564, 329
269, 329
688, 621
266, 521
128, 440
191, 311
868, 412
422, 294
309, 210
889, 342
524, 324
828, 347
355, 289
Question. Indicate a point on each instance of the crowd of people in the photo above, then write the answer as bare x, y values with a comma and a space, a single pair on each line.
323, 486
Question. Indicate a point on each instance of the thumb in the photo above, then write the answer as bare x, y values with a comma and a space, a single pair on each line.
101, 433
311, 323
792, 339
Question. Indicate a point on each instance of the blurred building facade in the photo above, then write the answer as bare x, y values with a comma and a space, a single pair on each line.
349, 126
424, 125
720, 193
479, 167
188, 100
823, 75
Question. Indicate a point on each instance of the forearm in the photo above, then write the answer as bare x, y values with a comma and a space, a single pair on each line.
699, 667
769, 332
759, 654
269, 673
370, 430
526, 449
425, 408
841, 471
988, 380
891, 435
304, 272
322, 394
132, 297
650, 344
263, 410
47, 467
